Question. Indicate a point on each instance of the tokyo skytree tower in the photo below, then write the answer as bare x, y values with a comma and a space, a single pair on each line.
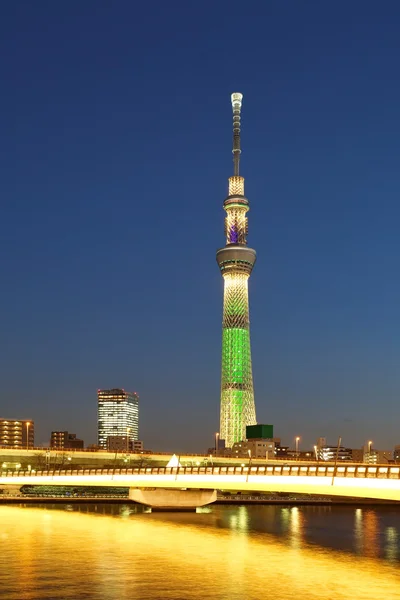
236, 261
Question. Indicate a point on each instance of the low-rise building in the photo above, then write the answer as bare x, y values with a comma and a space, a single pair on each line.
63, 439
137, 446
357, 455
17, 433
281, 452
260, 448
385, 456
300, 455
122, 443
331, 453
118, 443
378, 457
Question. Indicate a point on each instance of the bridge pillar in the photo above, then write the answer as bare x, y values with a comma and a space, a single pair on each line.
177, 500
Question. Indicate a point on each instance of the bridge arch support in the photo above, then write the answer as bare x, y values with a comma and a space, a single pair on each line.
172, 499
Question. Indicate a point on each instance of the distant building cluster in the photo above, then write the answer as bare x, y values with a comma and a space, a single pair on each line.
118, 432
260, 443
117, 427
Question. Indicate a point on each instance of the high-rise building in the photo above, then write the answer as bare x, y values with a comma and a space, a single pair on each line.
118, 415
17, 434
236, 261
64, 439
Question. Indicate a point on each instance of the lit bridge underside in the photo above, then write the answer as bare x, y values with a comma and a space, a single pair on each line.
375, 482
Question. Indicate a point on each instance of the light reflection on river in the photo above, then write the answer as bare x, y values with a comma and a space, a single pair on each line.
110, 552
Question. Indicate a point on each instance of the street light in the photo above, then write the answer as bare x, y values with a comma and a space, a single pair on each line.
128, 429
339, 443
316, 454
27, 434
369, 451
216, 443
249, 467
297, 446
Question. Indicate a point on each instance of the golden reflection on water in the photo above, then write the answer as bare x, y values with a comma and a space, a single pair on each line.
55, 554
371, 530
392, 544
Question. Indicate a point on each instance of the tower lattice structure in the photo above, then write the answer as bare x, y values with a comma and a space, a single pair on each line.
236, 261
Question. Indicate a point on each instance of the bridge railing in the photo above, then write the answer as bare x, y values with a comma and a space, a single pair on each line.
362, 471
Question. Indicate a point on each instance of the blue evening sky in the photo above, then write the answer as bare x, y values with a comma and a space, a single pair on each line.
115, 125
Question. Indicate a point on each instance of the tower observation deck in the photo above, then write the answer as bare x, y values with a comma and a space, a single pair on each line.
236, 261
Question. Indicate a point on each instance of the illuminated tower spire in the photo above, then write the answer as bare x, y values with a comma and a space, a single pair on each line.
236, 263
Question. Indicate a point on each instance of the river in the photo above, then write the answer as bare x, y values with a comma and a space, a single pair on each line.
118, 552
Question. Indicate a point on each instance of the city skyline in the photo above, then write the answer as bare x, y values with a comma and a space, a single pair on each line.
114, 150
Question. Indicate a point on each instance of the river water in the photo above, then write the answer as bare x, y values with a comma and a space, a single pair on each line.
112, 552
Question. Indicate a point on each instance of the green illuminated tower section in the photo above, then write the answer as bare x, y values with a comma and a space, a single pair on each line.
236, 261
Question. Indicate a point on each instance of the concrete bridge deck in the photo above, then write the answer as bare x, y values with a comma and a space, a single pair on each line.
358, 481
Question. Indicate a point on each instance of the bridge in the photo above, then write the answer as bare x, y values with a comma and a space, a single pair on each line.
185, 487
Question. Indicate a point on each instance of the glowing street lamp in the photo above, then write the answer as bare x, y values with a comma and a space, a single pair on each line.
316, 453
297, 445
249, 467
369, 451
27, 434
216, 443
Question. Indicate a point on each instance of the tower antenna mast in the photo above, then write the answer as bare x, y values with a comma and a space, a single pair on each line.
236, 100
